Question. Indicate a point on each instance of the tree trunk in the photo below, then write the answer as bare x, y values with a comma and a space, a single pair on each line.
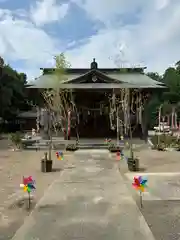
144, 126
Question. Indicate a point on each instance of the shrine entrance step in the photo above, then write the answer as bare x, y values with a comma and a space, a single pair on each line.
92, 146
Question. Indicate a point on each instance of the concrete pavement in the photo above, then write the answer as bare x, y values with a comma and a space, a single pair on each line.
161, 186
87, 202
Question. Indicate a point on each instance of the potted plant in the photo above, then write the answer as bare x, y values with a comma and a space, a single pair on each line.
133, 163
46, 164
114, 148
16, 140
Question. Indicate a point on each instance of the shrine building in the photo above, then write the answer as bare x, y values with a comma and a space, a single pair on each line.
93, 89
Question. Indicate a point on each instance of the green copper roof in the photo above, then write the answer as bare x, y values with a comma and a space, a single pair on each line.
50, 80
135, 80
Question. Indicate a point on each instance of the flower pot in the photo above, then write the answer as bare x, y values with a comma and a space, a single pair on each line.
43, 165
114, 148
160, 148
46, 165
133, 164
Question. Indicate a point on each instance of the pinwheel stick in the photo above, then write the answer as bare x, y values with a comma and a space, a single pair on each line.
141, 200
29, 200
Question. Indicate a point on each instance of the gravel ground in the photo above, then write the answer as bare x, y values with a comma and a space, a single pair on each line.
155, 161
13, 205
158, 161
162, 216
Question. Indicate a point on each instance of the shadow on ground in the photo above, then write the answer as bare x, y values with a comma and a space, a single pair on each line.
10, 224
163, 218
57, 169
141, 169
23, 203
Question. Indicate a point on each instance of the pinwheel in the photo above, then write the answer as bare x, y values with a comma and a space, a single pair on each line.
122, 156
60, 155
28, 186
140, 184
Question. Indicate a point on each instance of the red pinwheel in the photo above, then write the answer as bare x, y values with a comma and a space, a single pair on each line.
140, 183
59, 155
28, 186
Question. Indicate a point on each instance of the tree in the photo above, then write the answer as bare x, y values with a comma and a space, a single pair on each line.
12, 91
155, 76
169, 98
59, 101
177, 65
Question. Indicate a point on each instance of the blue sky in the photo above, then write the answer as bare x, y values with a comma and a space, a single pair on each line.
116, 33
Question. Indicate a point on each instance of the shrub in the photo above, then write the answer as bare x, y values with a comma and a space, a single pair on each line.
16, 139
165, 141
71, 147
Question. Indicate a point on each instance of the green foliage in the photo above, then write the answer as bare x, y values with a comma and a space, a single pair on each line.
15, 139
60, 67
151, 110
165, 141
167, 98
13, 96
71, 147
155, 76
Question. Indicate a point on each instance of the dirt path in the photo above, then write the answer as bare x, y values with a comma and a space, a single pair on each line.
13, 166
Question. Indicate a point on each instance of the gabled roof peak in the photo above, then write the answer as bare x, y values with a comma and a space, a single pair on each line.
103, 70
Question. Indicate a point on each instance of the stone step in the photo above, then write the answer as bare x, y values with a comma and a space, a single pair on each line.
95, 146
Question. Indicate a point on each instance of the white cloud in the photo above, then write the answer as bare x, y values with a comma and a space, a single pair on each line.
160, 4
48, 11
154, 40
104, 10
105, 48
21, 40
27, 42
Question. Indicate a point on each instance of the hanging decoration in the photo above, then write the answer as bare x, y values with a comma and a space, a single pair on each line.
69, 123
38, 119
101, 107
112, 111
